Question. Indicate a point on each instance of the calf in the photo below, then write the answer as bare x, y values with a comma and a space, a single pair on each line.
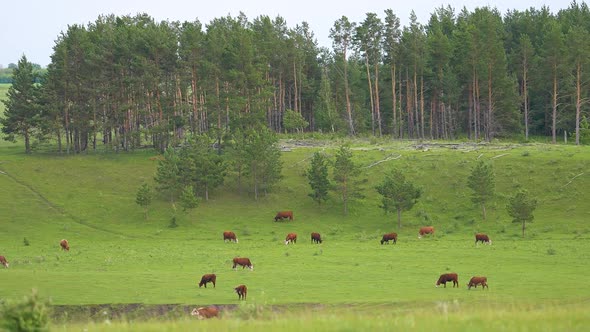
389, 237
448, 277
242, 291
230, 236
425, 230
243, 262
3, 261
284, 215
208, 278
483, 238
205, 312
291, 237
483, 281
316, 238
64, 245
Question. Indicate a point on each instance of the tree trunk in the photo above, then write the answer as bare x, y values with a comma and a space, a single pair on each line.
370, 95
554, 110
399, 218
578, 100
526, 99
523, 226
377, 103
394, 100
347, 94
483, 209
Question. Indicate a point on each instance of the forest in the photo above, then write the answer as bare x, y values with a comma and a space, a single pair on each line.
129, 81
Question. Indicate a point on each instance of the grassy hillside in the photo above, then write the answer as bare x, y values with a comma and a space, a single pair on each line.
119, 257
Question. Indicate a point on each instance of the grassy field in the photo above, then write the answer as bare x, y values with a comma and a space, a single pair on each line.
350, 282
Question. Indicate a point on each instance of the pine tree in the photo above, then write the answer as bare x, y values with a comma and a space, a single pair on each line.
345, 175
188, 199
144, 197
22, 116
317, 174
398, 193
521, 207
482, 182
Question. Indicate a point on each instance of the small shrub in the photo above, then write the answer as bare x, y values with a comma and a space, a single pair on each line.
173, 223
29, 314
551, 252
26, 242
525, 153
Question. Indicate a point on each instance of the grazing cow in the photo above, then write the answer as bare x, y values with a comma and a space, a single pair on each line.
284, 215
316, 238
389, 237
425, 230
205, 312
3, 261
208, 278
243, 262
242, 291
64, 244
230, 236
483, 238
448, 277
291, 237
483, 281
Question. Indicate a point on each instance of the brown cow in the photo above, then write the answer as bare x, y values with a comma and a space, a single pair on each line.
284, 215
205, 312
208, 278
242, 291
316, 238
243, 262
389, 236
448, 277
64, 244
3, 261
483, 238
291, 237
483, 281
230, 236
425, 230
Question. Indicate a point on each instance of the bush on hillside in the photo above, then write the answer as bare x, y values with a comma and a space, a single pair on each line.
29, 314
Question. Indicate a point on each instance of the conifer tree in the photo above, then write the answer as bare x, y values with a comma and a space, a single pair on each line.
317, 174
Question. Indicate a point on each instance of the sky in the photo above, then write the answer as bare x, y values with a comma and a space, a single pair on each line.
31, 27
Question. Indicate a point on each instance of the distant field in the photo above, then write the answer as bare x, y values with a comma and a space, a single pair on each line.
118, 257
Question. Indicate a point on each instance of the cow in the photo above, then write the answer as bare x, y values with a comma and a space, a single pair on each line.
230, 236
389, 237
242, 291
316, 238
205, 312
64, 245
291, 237
3, 261
284, 215
208, 278
425, 230
448, 277
483, 238
483, 281
243, 262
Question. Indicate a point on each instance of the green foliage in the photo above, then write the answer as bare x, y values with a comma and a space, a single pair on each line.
168, 174
399, 194
293, 120
584, 131
188, 200
346, 173
482, 182
143, 197
262, 158
521, 207
317, 175
22, 116
29, 314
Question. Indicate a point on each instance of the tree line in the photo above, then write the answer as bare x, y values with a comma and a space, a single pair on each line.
128, 81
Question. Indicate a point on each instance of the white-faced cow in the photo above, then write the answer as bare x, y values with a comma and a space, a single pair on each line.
64, 245
389, 237
284, 215
243, 262
3, 261
425, 230
205, 312
448, 277
291, 238
230, 236
316, 238
483, 238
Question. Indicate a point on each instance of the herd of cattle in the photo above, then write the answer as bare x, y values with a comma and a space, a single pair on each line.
242, 290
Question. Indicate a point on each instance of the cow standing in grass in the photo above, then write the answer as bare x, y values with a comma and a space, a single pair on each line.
483, 281
243, 262
205, 312
483, 238
230, 236
448, 277
208, 278
425, 230
64, 245
3, 261
284, 215
316, 238
242, 291
291, 238
389, 237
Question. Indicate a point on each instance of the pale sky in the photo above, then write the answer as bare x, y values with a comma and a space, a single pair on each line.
31, 27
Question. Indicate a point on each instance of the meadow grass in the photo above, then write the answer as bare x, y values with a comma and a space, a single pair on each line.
119, 257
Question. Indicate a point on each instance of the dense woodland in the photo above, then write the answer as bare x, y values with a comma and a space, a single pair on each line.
125, 81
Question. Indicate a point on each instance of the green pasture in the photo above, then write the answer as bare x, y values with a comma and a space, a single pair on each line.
349, 282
